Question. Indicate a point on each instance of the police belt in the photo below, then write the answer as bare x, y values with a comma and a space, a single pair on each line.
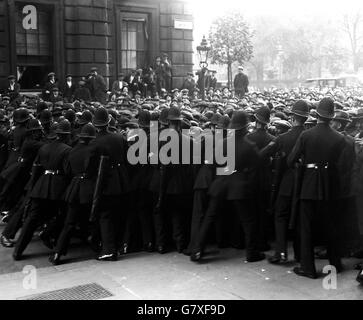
52, 172
316, 166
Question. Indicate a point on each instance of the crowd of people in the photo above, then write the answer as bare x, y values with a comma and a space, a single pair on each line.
64, 171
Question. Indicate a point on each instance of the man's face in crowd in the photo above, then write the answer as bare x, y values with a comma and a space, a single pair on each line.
69, 79
52, 79
56, 93
158, 61
335, 125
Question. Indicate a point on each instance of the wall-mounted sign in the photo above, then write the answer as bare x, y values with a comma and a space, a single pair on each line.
30, 18
183, 24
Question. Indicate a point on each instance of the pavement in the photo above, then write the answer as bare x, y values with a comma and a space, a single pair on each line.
223, 274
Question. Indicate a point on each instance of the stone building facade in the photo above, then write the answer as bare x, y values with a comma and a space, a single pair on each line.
71, 36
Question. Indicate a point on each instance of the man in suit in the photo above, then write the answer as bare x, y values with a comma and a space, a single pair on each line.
68, 89
189, 83
49, 85
12, 88
99, 87
319, 149
110, 212
47, 195
238, 188
211, 80
167, 72
117, 86
240, 83
283, 146
132, 82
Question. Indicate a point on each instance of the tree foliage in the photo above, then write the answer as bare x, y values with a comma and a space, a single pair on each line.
230, 38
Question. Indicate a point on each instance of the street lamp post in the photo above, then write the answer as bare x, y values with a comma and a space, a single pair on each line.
203, 51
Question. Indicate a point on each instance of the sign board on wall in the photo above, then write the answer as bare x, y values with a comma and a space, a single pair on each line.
183, 24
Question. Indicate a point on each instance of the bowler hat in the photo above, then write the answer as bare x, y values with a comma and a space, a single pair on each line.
300, 108
239, 120
174, 114
51, 74
341, 115
325, 108
64, 127
88, 131
21, 115
11, 77
263, 115
101, 118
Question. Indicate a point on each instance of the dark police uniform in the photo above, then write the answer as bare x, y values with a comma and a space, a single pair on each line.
262, 138
283, 145
78, 195
320, 149
111, 208
48, 192
239, 188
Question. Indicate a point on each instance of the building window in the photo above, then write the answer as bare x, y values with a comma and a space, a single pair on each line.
134, 43
34, 47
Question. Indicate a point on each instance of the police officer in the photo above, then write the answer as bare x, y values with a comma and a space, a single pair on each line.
319, 149
47, 195
140, 213
111, 211
79, 193
237, 186
17, 134
283, 146
262, 138
18, 173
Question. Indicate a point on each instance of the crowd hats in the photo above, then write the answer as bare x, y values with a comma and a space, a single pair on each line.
45, 117
52, 131
101, 117
112, 125
64, 127
70, 115
174, 114
341, 115
325, 108
239, 120
88, 131
11, 77
359, 114
51, 74
34, 125
215, 118
163, 118
262, 115
223, 122
300, 108
21, 115
144, 118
